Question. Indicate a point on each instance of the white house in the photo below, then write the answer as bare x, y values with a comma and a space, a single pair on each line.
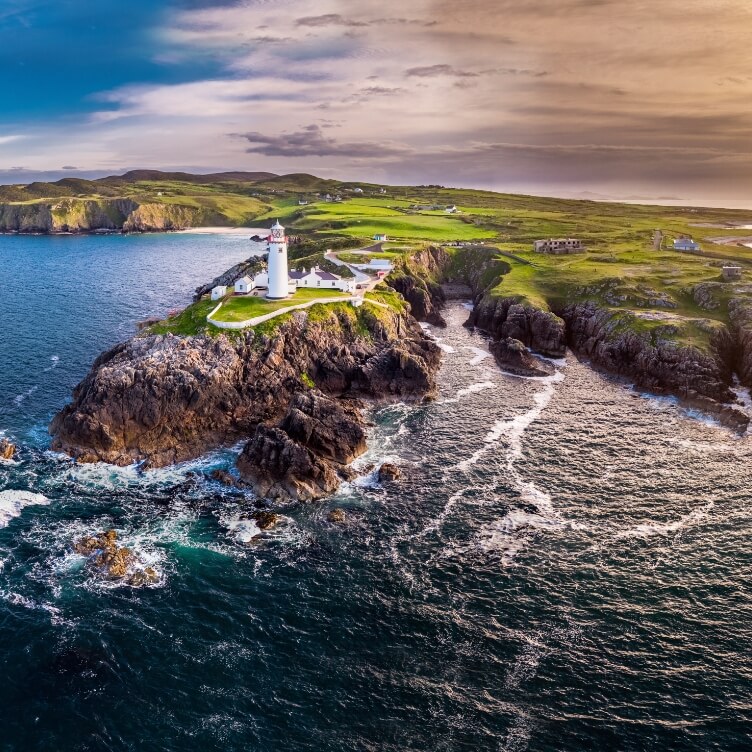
243, 286
319, 279
218, 292
451, 210
357, 190
686, 244
381, 237
260, 280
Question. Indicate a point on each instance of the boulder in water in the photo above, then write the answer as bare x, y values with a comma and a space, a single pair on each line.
7, 449
265, 519
114, 562
514, 357
337, 516
389, 472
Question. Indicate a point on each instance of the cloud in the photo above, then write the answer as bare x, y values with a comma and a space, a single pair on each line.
432, 71
68, 167
310, 141
510, 93
329, 19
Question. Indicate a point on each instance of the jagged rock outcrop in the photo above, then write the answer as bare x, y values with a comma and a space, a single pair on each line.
389, 472
305, 457
740, 313
418, 280
653, 362
163, 399
503, 318
512, 356
7, 449
113, 562
329, 428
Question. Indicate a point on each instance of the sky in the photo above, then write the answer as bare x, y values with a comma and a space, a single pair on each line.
602, 98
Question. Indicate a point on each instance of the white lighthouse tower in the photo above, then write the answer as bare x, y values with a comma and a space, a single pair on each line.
278, 277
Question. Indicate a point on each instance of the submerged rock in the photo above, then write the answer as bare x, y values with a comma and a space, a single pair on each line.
7, 449
337, 516
512, 356
114, 562
389, 472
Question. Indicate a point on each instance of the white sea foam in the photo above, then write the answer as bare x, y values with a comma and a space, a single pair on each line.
510, 534
19, 398
12, 503
480, 355
443, 346
653, 528
469, 390
55, 359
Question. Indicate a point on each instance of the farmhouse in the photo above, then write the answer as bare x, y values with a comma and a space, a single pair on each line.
686, 245
559, 246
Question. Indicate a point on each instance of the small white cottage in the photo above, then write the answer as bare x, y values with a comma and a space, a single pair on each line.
381, 237
218, 292
243, 286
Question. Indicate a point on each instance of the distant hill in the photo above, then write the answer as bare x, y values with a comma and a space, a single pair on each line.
299, 181
138, 176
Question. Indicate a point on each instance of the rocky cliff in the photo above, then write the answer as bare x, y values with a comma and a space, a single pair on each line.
87, 215
306, 456
163, 399
659, 357
740, 313
418, 279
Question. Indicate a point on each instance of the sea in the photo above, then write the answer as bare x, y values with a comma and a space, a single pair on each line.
565, 564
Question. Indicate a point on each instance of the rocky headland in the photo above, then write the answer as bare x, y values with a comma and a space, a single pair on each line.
291, 391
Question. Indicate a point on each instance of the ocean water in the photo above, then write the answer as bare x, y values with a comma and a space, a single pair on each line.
565, 564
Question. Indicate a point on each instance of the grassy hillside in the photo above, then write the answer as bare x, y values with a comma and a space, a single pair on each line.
620, 270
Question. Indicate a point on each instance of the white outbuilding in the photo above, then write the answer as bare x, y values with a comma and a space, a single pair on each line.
218, 292
243, 286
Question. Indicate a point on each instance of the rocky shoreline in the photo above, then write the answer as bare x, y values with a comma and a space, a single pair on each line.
700, 379
294, 394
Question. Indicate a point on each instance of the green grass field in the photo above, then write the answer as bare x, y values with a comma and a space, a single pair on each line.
620, 271
243, 307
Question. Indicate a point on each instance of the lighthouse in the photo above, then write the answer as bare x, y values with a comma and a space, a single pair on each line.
278, 277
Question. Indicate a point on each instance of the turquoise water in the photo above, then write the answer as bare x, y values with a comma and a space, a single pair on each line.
565, 565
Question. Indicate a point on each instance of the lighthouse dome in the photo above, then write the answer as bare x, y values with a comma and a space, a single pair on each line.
277, 226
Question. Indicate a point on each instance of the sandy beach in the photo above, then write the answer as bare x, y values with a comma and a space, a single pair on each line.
227, 231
